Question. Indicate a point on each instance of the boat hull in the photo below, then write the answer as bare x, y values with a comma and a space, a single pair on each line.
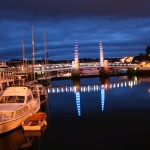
14, 123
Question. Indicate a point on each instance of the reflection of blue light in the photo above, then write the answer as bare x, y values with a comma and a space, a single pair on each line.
102, 98
121, 84
78, 103
114, 85
89, 88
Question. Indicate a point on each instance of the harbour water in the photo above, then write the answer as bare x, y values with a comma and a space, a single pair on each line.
92, 113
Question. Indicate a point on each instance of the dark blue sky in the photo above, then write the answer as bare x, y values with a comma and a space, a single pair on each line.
122, 26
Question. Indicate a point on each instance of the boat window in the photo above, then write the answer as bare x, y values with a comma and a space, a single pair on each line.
4, 85
4, 99
12, 99
40, 88
32, 88
8, 99
29, 97
10, 83
35, 95
20, 99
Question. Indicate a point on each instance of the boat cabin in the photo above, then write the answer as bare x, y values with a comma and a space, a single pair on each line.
16, 95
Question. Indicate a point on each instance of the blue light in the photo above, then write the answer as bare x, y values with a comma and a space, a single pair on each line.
102, 98
78, 103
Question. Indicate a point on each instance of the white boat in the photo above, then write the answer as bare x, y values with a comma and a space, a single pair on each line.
41, 90
16, 104
89, 71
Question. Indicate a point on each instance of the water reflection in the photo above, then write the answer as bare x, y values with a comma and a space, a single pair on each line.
76, 83
103, 87
125, 122
107, 110
18, 139
102, 96
91, 88
11, 140
78, 103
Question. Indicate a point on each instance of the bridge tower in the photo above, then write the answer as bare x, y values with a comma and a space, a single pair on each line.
75, 72
76, 59
101, 54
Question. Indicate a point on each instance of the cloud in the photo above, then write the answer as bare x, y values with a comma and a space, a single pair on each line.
40, 9
123, 27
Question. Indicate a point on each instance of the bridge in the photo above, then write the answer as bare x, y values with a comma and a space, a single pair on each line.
78, 65
69, 67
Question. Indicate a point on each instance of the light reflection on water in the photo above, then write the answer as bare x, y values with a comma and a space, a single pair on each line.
86, 88
99, 113
106, 114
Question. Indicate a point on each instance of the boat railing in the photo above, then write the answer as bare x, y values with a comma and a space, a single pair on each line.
6, 75
6, 115
22, 110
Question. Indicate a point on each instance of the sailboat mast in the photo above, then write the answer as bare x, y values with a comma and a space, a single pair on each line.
33, 54
23, 53
45, 47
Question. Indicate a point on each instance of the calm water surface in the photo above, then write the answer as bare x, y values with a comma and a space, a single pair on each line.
92, 114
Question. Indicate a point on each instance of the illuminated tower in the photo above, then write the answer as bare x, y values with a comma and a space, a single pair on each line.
76, 62
101, 54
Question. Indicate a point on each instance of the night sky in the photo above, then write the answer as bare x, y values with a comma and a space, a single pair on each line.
123, 26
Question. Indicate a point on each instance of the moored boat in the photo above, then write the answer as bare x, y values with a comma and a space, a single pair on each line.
35, 122
16, 104
89, 71
41, 90
45, 81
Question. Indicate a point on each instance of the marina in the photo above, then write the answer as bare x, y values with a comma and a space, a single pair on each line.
93, 115
74, 75
75, 106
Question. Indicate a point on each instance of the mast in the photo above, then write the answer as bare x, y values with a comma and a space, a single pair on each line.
33, 54
45, 48
23, 53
